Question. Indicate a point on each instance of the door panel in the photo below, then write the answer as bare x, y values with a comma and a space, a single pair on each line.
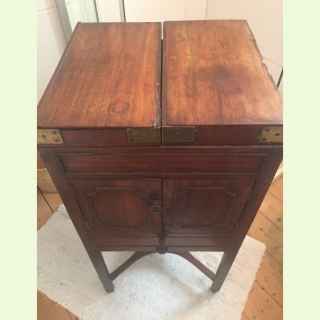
120, 209
205, 207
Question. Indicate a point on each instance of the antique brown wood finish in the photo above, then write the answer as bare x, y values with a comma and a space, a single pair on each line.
187, 174
162, 159
109, 76
214, 70
214, 80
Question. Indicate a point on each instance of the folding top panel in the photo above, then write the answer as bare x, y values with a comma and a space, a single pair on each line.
214, 81
106, 90
109, 76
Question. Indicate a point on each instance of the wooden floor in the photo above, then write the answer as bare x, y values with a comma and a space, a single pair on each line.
265, 299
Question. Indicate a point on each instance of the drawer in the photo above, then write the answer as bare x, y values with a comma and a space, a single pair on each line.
162, 160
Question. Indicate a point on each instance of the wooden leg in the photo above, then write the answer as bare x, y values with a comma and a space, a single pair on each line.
101, 268
106, 277
223, 269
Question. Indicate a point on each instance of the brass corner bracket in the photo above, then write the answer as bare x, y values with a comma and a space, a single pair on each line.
271, 135
49, 136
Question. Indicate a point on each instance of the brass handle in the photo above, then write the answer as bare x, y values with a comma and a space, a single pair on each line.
174, 135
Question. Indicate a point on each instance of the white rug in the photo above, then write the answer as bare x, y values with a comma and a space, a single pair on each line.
156, 287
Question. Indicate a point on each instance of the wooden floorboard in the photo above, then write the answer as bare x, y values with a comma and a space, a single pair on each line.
266, 232
260, 306
48, 309
276, 188
271, 209
265, 298
44, 210
53, 200
269, 278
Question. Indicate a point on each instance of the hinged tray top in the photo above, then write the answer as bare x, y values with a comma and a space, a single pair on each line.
109, 76
214, 80
214, 75
215, 88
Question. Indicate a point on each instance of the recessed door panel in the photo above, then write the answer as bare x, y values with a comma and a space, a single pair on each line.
121, 209
205, 207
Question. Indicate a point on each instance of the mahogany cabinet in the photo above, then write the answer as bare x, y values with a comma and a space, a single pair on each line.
161, 146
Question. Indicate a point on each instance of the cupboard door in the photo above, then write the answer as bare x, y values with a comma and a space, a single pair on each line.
120, 212
208, 207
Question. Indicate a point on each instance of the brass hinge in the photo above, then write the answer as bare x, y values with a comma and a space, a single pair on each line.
49, 136
144, 135
270, 135
177, 135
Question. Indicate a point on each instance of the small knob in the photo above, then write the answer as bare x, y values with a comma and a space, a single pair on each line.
155, 206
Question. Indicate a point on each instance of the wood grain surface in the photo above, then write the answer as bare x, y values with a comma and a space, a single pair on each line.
213, 75
109, 76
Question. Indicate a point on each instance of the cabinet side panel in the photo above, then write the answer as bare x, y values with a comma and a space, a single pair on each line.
259, 190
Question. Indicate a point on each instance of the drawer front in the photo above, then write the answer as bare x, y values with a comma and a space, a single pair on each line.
161, 160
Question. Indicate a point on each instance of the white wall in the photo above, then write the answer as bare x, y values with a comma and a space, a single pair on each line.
80, 10
160, 10
109, 11
84, 11
51, 42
